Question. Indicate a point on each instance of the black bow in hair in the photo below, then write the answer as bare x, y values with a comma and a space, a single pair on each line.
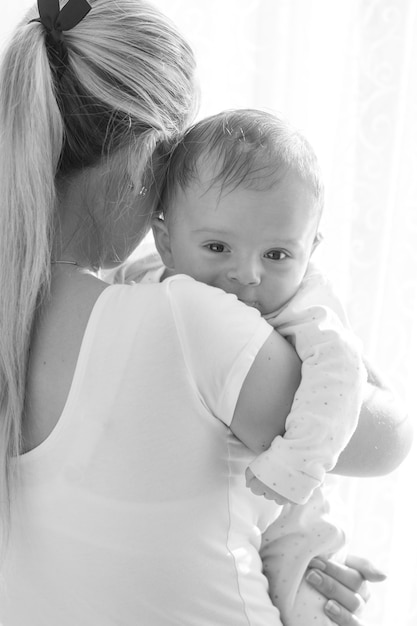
56, 21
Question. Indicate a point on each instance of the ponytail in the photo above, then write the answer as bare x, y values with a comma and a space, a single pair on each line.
128, 83
30, 144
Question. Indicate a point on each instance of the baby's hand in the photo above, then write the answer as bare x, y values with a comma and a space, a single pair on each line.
260, 489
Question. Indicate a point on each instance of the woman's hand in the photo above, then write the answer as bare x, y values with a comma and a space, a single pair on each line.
346, 587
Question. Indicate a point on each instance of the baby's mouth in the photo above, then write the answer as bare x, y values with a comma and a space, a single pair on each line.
253, 303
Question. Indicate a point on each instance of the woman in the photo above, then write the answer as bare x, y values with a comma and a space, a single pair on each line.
107, 513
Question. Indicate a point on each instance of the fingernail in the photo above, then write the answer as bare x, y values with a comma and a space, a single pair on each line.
333, 608
380, 575
318, 563
314, 578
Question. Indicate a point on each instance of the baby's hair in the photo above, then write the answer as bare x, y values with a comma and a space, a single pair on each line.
248, 148
128, 84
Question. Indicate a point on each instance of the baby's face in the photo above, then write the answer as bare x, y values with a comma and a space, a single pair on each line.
253, 243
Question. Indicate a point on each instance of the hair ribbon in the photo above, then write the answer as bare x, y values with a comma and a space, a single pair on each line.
56, 20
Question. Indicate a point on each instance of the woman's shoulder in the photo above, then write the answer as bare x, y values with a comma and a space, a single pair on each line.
180, 292
199, 297
203, 319
207, 315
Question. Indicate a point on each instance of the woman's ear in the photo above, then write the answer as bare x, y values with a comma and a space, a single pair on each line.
162, 241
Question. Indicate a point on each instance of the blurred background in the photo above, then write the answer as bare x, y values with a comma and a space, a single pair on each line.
345, 73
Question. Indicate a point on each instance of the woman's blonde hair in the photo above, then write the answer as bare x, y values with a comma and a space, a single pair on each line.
128, 82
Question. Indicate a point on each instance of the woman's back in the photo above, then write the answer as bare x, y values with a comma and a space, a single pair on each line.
55, 346
129, 512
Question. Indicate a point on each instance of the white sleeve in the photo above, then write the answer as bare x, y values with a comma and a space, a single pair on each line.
326, 406
220, 339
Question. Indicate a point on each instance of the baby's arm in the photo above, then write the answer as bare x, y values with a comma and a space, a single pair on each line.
326, 407
288, 545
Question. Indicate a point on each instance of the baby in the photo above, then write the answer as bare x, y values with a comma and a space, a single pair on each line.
239, 210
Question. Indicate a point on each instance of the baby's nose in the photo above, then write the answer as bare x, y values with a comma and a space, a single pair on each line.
246, 274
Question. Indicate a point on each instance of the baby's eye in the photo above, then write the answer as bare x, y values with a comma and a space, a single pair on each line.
215, 247
276, 255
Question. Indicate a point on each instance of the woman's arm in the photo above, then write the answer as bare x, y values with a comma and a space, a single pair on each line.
267, 394
383, 436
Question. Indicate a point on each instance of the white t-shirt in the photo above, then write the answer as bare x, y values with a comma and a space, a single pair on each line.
125, 514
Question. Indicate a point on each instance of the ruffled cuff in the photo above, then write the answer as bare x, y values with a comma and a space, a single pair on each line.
274, 468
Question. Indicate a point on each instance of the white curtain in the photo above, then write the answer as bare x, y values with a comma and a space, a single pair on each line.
345, 72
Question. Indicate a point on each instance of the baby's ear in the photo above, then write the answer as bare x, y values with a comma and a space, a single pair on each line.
162, 241
317, 240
